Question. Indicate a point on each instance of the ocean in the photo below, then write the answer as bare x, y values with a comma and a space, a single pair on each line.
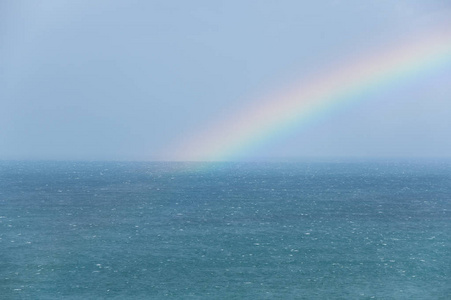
292, 230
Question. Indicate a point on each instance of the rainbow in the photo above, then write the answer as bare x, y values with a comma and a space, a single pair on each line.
265, 119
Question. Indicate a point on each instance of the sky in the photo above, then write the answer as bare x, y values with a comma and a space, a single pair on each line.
136, 80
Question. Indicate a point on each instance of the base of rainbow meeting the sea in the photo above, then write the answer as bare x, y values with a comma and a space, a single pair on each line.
292, 108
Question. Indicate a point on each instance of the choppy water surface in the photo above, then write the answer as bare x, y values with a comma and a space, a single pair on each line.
225, 231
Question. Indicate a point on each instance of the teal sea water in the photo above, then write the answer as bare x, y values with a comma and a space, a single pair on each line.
92, 230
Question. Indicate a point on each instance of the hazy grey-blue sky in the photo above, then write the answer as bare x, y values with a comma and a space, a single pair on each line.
125, 79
